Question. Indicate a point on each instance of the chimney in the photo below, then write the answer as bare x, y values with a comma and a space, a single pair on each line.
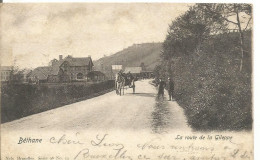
60, 57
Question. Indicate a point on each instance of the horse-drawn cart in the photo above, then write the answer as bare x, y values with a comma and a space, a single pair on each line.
124, 81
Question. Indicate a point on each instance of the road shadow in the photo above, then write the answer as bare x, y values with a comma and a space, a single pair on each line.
141, 94
160, 117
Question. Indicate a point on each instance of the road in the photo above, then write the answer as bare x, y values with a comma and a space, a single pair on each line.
140, 111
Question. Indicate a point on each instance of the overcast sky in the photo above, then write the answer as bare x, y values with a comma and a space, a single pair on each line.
33, 34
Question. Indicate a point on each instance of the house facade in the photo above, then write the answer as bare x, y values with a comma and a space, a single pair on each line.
39, 74
75, 69
6, 73
68, 69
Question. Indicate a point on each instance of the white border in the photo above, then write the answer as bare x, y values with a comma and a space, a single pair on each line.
128, 1
256, 85
256, 45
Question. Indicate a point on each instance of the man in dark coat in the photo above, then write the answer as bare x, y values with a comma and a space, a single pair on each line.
130, 78
131, 81
162, 85
170, 86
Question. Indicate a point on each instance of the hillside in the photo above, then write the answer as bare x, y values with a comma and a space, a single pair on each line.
148, 53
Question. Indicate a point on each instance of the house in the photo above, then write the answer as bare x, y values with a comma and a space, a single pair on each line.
21, 76
6, 72
73, 69
39, 74
63, 70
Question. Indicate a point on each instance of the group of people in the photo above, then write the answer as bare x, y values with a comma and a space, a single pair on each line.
169, 84
170, 87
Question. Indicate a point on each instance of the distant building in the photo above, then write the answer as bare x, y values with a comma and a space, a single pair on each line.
117, 67
6, 72
139, 72
63, 70
21, 76
115, 70
39, 74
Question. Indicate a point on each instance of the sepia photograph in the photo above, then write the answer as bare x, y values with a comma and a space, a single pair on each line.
162, 81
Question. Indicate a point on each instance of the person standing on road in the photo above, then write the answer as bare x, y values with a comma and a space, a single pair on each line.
170, 88
131, 80
162, 85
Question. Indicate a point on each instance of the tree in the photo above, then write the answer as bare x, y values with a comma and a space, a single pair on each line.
234, 16
188, 31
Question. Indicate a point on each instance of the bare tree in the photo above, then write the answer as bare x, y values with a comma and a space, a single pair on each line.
235, 16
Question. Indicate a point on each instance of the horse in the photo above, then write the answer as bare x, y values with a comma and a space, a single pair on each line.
119, 84
123, 80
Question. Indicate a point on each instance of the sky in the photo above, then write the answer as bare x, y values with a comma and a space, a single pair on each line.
33, 34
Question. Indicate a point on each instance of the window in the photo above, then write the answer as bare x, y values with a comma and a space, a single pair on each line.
79, 76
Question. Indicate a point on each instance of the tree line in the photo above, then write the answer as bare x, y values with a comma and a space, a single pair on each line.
202, 21
207, 52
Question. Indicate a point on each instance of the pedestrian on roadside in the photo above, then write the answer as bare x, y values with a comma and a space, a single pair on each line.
162, 85
170, 86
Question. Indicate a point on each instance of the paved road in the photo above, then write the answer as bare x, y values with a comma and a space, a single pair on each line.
140, 111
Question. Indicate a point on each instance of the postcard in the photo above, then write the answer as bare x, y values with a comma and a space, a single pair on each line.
126, 81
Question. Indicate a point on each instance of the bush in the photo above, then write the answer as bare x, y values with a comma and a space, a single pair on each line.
21, 100
212, 90
214, 93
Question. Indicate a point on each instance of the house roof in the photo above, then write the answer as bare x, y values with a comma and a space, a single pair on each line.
72, 62
41, 72
56, 67
133, 69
